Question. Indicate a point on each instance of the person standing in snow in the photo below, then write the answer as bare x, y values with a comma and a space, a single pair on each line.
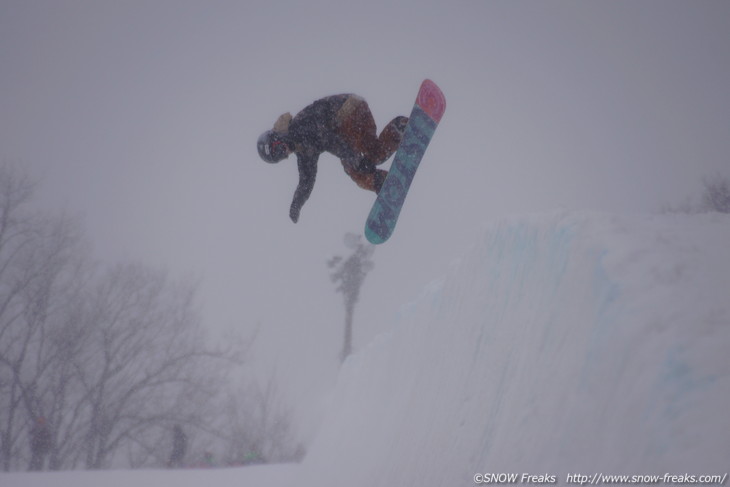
40, 444
179, 447
342, 125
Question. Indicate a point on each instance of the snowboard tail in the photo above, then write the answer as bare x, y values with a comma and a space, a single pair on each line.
425, 117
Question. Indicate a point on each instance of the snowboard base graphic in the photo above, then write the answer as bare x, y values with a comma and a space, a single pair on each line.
425, 117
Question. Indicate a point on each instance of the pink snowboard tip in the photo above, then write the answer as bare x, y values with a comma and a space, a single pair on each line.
431, 100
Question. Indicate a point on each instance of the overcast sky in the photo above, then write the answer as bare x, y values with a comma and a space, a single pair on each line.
142, 118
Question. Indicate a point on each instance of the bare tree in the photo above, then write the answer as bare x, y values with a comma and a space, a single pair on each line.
15, 192
36, 254
350, 274
716, 196
111, 358
147, 365
257, 427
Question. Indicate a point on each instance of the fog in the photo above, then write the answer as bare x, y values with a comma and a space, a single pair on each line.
142, 117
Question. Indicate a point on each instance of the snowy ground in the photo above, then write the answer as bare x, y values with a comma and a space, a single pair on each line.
562, 343
232, 477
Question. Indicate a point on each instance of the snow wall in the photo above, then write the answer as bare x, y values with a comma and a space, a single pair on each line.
561, 343
567, 343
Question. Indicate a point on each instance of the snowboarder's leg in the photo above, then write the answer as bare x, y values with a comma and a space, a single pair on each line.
357, 126
390, 138
370, 180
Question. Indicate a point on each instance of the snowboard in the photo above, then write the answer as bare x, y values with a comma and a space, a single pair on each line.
425, 117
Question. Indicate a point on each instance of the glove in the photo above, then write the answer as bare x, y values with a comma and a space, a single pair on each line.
294, 213
365, 166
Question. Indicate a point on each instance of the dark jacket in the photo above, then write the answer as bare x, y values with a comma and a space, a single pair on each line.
40, 438
312, 131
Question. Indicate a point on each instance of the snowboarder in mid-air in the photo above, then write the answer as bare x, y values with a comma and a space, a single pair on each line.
341, 125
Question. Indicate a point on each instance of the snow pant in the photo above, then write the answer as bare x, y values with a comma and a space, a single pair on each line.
357, 126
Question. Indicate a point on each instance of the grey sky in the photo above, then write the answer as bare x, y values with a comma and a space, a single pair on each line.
142, 117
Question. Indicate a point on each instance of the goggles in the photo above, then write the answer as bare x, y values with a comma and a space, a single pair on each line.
279, 149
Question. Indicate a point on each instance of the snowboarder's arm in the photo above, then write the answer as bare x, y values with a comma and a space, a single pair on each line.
307, 174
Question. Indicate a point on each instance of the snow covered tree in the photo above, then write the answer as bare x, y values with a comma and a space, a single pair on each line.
350, 274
